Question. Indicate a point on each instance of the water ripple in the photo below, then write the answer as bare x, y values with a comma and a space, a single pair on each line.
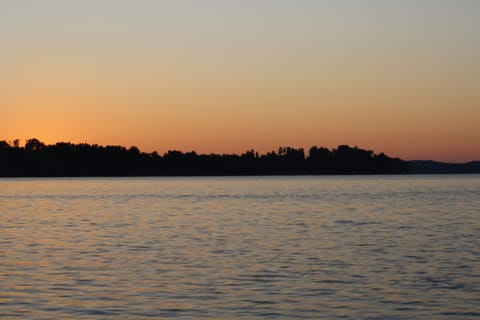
242, 248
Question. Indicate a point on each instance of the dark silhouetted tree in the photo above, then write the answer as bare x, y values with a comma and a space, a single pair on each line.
67, 159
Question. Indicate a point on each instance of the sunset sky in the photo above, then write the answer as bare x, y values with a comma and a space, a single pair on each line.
400, 77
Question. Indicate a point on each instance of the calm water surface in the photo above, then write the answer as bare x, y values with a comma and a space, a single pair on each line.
398, 247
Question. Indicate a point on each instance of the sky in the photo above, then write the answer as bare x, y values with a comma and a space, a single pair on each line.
223, 76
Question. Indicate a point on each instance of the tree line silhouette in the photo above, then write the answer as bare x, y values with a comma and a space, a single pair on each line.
64, 159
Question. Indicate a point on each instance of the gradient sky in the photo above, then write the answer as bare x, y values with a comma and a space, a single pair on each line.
402, 77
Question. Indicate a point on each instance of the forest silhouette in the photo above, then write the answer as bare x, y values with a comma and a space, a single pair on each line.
64, 159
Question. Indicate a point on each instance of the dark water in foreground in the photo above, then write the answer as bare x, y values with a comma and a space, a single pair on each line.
401, 247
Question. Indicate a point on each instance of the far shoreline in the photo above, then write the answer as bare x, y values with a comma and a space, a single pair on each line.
68, 160
249, 176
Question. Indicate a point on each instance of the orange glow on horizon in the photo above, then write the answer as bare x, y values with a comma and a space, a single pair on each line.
181, 77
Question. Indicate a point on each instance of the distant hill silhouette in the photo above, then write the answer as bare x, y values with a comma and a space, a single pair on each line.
430, 167
65, 159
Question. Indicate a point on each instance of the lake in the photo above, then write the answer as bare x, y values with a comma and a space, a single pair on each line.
332, 247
